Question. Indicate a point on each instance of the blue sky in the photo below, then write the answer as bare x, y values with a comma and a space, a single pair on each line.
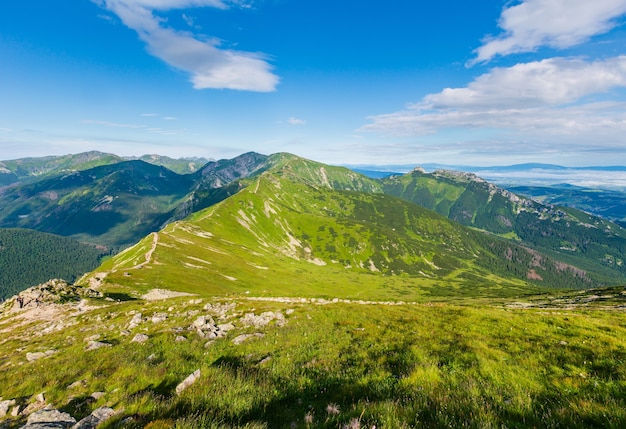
400, 82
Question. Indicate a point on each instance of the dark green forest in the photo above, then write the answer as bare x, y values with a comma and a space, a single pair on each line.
28, 258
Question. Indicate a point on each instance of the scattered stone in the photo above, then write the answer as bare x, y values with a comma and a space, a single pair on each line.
135, 321
225, 327
125, 332
79, 383
140, 338
244, 337
15, 411
250, 319
289, 311
32, 407
40, 397
266, 359
5, 405
30, 357
180, 339
97, 395
49, 419
94, 337
191, 379
158, 317
151, 357
98, 416
94, 345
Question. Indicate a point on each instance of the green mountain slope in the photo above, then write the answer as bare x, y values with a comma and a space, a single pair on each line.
583, 240
608, 204
282, 237
28, 258
113, 205
116, 204
34, 169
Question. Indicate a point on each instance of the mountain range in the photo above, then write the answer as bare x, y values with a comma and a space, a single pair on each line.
117, 204
275, 291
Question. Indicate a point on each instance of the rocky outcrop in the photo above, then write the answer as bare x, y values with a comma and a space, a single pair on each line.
55, 291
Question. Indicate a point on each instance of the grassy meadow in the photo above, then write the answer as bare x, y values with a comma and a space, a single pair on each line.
335, 365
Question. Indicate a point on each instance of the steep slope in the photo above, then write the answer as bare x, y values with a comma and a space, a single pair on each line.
583, 240
113, 205
37, 168
29, 257
180, 165
609, 204
281, 237
117, 204
33, 169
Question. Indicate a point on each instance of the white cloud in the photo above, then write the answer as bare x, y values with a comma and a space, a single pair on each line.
296, 121
552, 81
209, 66
555, 23
557, 100
169, 118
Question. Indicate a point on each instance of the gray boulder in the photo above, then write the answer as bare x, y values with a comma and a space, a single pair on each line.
49, 419
95, 418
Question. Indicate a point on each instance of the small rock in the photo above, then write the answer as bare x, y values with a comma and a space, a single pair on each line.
49, 418
5, 405
30, 357
265, 360
94, 345
95, 418
32, 407
180, 339
79, 383
225, 327
94, 337
15, 411
140, 338
40, 397
244, 337
158, 317
151, 357
135, 321
97, 395
191, 379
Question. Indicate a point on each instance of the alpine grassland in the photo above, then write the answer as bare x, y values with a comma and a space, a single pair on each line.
309, 298
325, 364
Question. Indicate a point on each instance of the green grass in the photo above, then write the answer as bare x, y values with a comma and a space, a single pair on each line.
411, 365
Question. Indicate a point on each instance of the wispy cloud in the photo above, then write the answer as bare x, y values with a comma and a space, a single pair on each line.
169, 118
554, 23
296, 121
150, 114
209, 65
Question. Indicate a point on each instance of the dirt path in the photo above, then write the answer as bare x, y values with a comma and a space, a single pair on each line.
155, 241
